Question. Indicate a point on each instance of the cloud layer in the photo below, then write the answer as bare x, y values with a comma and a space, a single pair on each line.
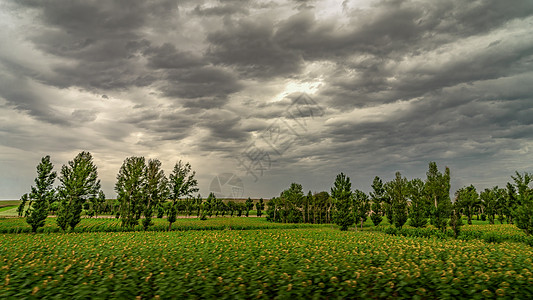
392, 86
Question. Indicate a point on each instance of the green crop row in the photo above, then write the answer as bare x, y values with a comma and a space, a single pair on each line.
283, 264
19, 225
488, 233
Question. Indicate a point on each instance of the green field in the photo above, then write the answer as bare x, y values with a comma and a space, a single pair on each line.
279, 261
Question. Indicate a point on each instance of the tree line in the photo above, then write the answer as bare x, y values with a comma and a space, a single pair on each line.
143, 190
415, 202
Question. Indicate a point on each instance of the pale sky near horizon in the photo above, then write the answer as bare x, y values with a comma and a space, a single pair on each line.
387, 86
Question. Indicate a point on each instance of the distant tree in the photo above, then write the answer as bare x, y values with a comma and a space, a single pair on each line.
22, 205
321, 205
292, 200
209, 205
467, 199
239, 207
259, 206
155, 190
130, 187
231, 207
342, 194
198, 204
437, 189
398, 191
97, 204
378, 197
512, 203
41, 194
455, 219
361, 207
489, 201
524, 210
418, 211
249, 206
182, 184
79, 184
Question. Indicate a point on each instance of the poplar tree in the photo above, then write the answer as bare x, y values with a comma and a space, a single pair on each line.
130, 187
524, 211
155, 190
182, 184
418, 211
437, 190
398, 191
79, 183
467, 199
249, 206
377, 196
259, 206
341, 192
41, 194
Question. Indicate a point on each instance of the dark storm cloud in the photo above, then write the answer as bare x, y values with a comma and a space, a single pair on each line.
201, 82
248, 44
401, 83
225, 8
102, 40
168, 57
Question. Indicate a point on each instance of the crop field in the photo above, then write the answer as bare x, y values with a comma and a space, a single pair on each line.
313, 262
19, 225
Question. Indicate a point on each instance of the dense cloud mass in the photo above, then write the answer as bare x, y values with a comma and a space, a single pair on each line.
272, 91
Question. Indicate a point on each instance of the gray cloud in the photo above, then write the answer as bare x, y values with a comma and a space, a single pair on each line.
400, 83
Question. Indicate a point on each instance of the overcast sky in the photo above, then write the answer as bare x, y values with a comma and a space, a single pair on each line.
272, 91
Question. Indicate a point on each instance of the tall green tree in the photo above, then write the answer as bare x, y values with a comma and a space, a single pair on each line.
292, 200
249, 206
398, 191
378, 197
455, 219
182, 184
524, 211
22, 205
155, 190
438, 193
361, 207
467, 200
130, 187
489, 198
41, 194
260, 206
79, 184
418, 211
342, 194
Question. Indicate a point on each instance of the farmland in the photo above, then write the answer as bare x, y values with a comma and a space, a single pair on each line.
315, 261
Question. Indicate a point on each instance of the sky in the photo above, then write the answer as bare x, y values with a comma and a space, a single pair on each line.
256, 95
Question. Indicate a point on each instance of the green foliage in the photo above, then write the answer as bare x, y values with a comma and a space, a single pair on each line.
455, 220
130, 185
437, 190
41, 194
361, 207
467, 200
79, 184
342, 194
155, 190
378, 198
259, 207
182, 184
489, 200
524, 211
22, 205
419, 209
249, 205
397, 189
